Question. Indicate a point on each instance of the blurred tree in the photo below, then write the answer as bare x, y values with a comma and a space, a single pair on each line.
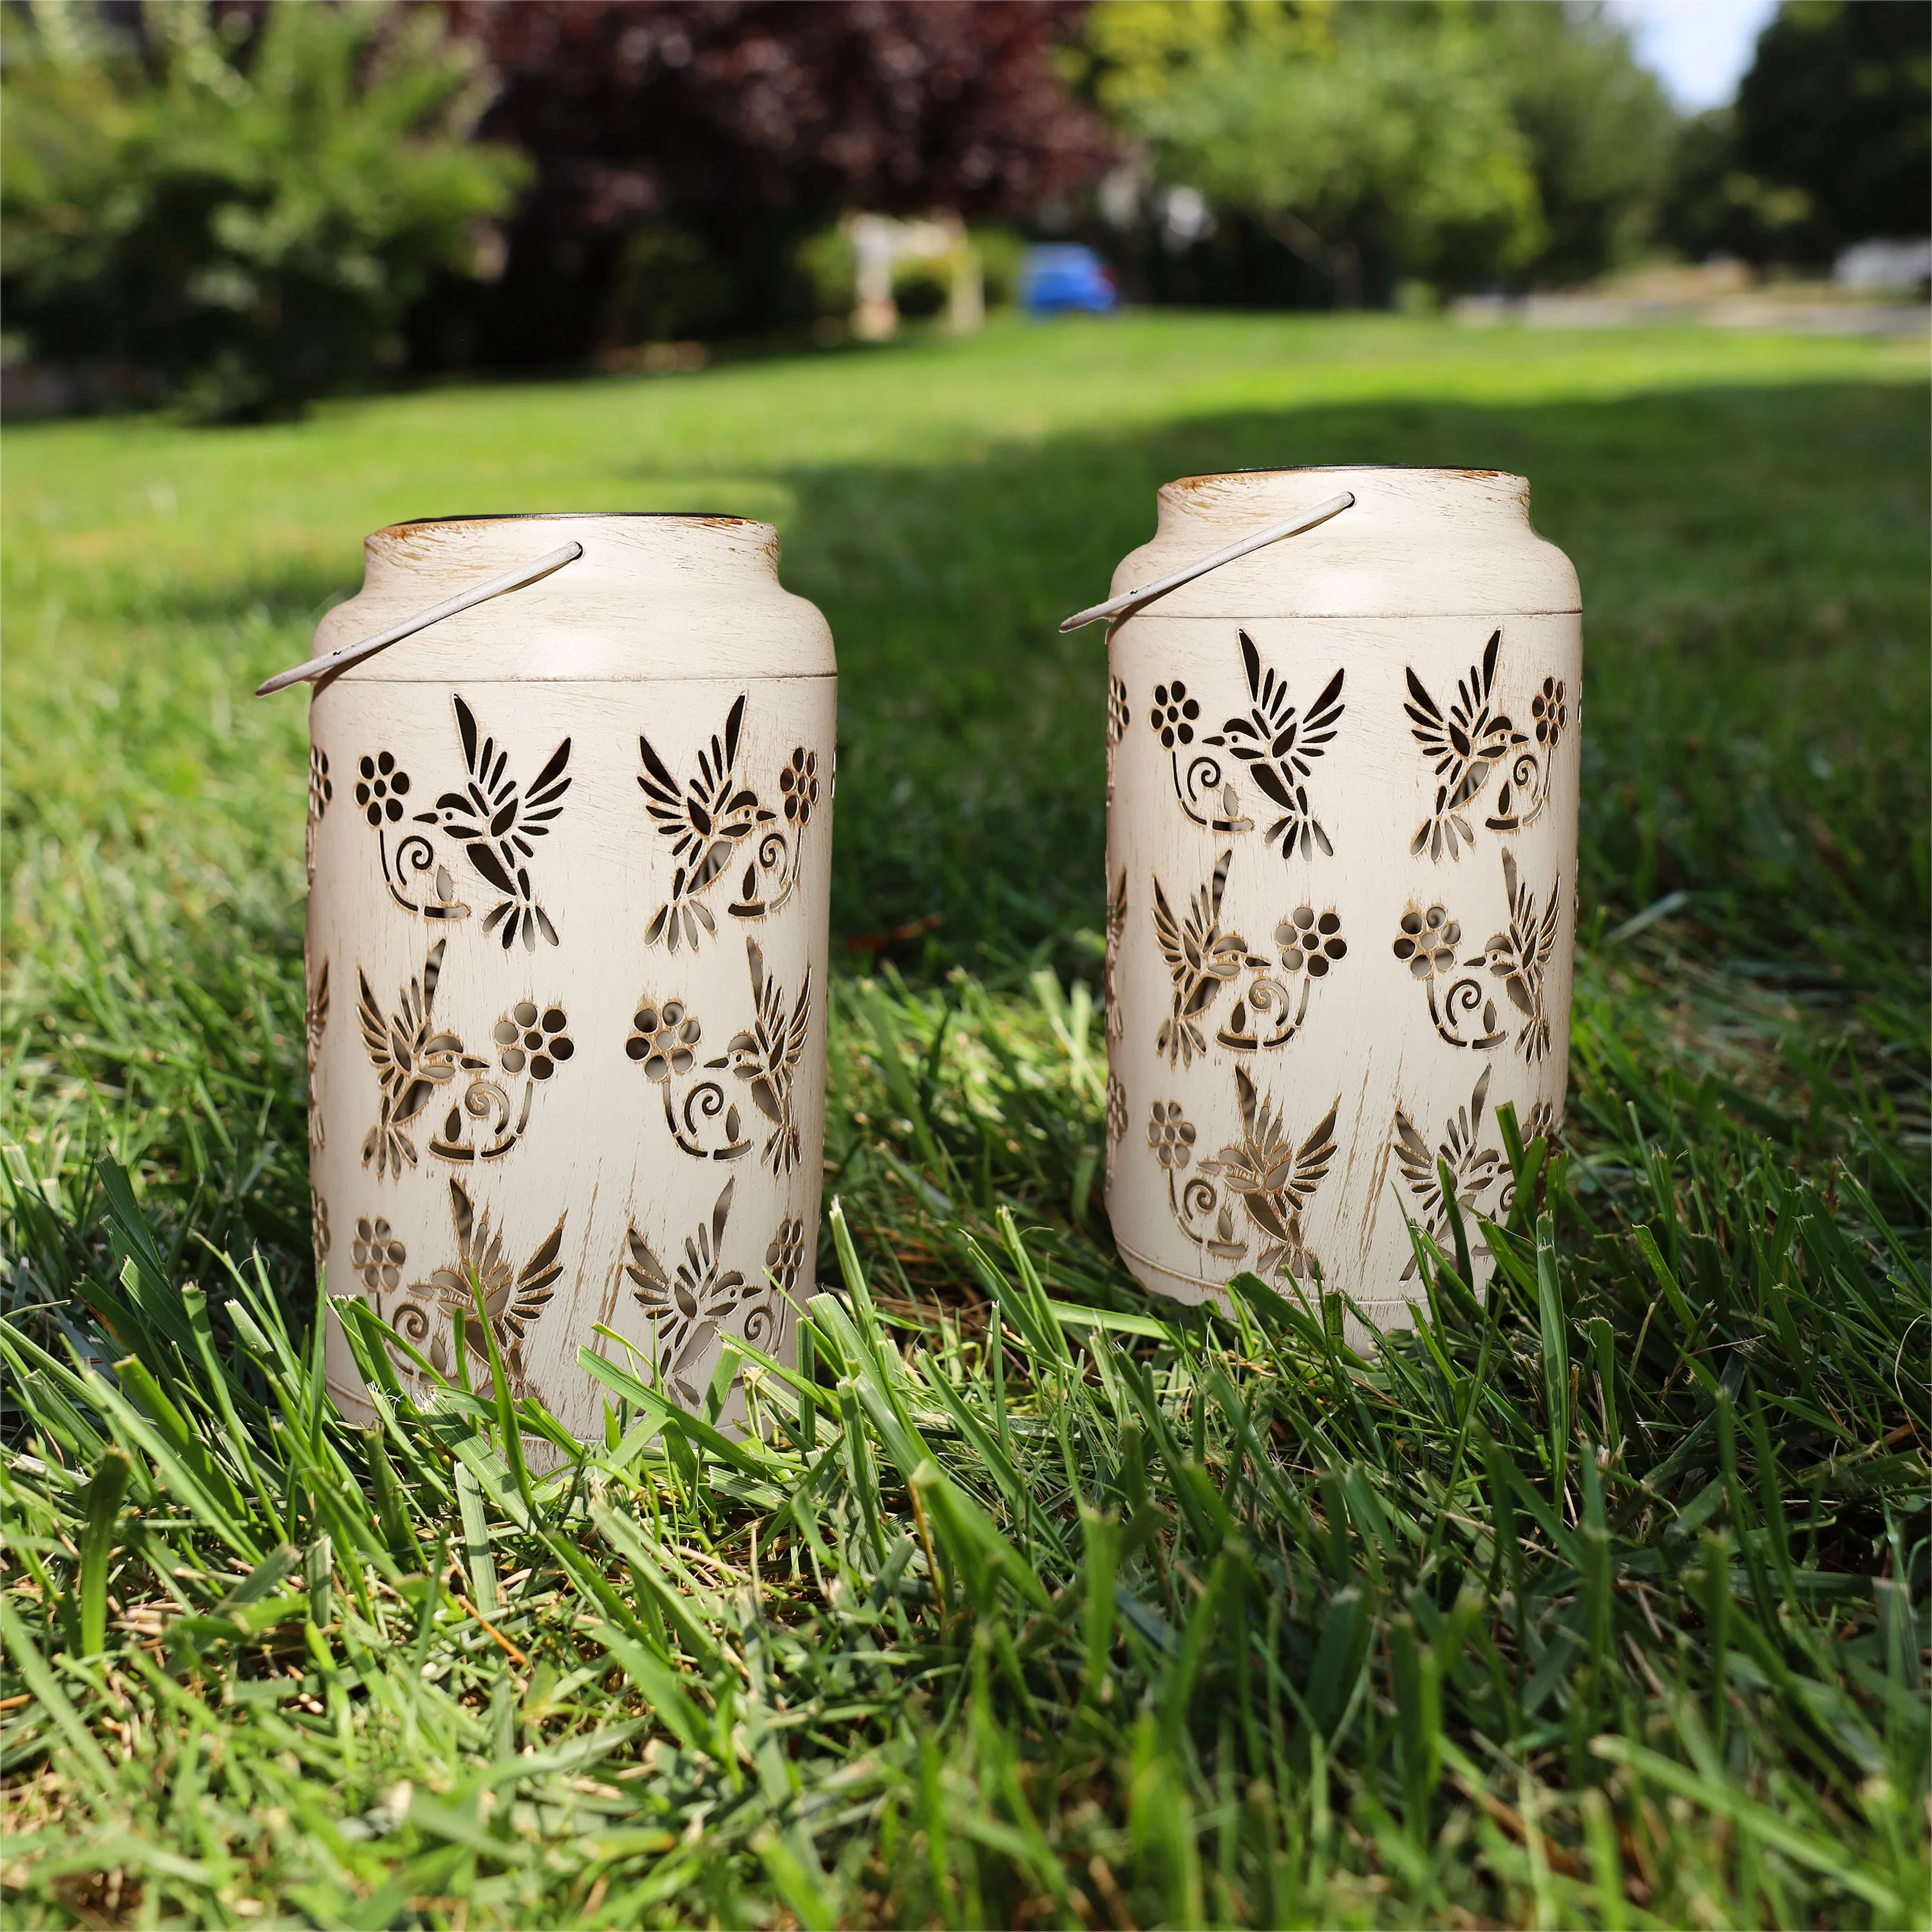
1830, 142
240, 204
748, 124
1713, 206
1837, 105
1599, 129
1354, 135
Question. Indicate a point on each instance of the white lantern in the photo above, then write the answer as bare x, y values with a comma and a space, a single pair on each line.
1341, 870
569, 871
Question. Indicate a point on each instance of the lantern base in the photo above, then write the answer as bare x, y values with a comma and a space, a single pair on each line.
1382, 1317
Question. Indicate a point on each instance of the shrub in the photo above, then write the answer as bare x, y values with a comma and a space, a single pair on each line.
921, 288
999, 250
669, 284
828, 263
241, 208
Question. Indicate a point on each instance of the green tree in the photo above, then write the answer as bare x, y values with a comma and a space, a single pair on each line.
1599, 131
1346, 133
1713, 206
1830, 142
1835, 105
241, 206
1462, 141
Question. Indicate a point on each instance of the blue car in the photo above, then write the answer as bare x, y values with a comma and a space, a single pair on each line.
1066, 280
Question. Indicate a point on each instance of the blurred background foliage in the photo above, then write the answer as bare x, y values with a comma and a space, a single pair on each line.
237, 206
1828, 143
1358, 138
240, 210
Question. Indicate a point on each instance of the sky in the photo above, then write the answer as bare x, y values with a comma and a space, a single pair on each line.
1699, 49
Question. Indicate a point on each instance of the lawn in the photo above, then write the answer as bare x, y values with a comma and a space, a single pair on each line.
1602, 1600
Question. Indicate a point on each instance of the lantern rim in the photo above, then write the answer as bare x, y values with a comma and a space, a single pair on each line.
713, 517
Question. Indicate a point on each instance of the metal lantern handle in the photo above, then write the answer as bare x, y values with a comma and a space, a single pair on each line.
367, 647
1307, 520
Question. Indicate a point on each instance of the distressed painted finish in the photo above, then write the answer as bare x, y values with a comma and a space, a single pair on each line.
1341, 871
569, 878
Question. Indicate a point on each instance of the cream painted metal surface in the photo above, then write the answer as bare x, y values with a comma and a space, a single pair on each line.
1341, 866
569, 870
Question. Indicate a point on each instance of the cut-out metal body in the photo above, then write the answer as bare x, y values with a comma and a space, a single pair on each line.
569, 856
1342, 773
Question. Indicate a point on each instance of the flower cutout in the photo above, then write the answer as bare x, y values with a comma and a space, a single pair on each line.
378, 1257
1174, 713
798, 786
381, 789
1118, 711
321, 786
662, 1037
525, 1038
1117, 1110
785, 1254
1428, 940
1170, 1137
1311, 940
1550, 712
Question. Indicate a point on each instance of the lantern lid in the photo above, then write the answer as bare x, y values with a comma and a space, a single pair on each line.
649, 594
1415, 542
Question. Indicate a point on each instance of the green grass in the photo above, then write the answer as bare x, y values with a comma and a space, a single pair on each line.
1603, 1600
